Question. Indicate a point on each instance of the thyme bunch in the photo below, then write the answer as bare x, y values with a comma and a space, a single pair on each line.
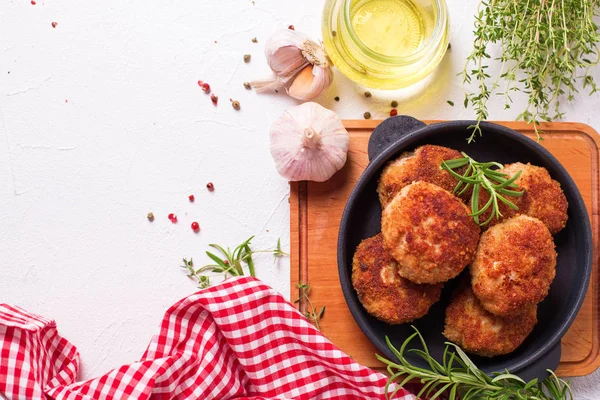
230, 263
458, 377
547, 48
480, 176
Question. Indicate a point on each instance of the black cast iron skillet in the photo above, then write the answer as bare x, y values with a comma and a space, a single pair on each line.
362, 219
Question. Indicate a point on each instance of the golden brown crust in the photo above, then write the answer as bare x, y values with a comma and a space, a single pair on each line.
477, 331
514, 265
385, 294
429, 233
544, 198
421, 165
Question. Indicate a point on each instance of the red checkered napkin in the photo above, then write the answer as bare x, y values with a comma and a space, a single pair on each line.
237, 340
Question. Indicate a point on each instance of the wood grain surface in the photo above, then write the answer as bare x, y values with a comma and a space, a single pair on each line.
315, 214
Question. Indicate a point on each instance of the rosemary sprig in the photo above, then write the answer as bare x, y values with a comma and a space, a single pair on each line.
547, 46
230, 263
312, 313
458, 377
483, 176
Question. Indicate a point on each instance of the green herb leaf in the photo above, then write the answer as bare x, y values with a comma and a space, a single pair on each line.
231, 263
547, 51
457, 374
312, 313
482, 175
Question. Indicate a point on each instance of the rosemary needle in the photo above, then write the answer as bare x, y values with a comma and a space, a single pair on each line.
234, 262
483, 175
456, 376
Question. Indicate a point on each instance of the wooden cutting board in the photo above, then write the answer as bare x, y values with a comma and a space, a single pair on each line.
315, 214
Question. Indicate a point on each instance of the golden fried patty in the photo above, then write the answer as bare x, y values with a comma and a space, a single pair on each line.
514, 265
385, 294
421, 165
543, 199
477, 331
429, 233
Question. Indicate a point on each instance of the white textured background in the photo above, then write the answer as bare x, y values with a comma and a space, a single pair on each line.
101, 121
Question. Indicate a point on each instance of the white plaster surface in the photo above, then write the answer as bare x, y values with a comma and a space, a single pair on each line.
101, 121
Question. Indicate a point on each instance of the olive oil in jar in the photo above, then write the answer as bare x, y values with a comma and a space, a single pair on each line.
385, 44
389, 27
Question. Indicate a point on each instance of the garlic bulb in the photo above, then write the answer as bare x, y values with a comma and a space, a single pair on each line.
301, 65
309, 142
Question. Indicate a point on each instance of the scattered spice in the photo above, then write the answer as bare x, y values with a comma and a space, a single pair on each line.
254, 40
291, 28
247, 85
449, 46
214, 98
33, 2
191, 198
393, 112
394, 104
367, 115
210, 186
337, 98
450, 102
235, 104
54, 24
334, 33
173, 218
247, 58
150, 217
367, 94
205, 86
195, 226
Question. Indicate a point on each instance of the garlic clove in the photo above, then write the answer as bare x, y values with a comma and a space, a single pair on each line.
283, 51
288, 61
290, 54
308, 142
310, 82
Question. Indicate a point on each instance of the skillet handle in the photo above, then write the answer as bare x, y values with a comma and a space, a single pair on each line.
391, 130
538, 369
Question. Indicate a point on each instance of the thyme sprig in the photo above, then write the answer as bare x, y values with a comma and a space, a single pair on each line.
230, 263
312, 313
547, 46
458, 377
482, 176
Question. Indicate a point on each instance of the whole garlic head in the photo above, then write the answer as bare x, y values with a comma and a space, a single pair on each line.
300, 65
309, 142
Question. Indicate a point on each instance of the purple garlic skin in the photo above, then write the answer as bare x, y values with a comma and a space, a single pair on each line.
309, 143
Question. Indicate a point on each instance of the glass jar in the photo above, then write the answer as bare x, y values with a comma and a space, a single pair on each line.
386, 44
